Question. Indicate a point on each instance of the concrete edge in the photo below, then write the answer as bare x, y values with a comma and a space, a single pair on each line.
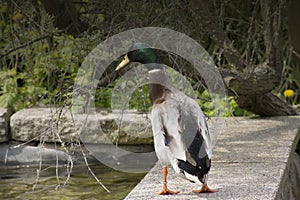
285, 190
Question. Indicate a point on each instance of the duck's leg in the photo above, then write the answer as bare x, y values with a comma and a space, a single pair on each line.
165, 189
205, 189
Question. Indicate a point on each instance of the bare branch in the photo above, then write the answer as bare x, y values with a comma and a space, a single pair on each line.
25, 45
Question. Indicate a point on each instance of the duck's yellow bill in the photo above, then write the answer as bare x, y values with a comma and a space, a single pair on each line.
124, 62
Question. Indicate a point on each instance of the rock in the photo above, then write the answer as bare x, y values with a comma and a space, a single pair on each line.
48, 124
4, 124
12, 155
123, 127
53, 124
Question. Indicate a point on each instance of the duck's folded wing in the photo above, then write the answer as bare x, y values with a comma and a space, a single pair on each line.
167, 131
199, 119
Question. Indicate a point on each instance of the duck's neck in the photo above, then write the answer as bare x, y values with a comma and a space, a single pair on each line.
158, 85
156, 93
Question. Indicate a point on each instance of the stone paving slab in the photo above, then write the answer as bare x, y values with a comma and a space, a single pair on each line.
250, 161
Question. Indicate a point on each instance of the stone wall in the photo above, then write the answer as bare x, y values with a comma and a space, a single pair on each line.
57, 125
4, 125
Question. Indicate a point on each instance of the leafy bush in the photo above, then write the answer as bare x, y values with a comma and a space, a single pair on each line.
38, 62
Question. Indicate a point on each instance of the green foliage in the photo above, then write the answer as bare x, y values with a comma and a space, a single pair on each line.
140, 99
42, 65
38, 63
290, 82
103, 97
44, 74
221, 107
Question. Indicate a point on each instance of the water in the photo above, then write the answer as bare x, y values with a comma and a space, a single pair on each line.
17, 183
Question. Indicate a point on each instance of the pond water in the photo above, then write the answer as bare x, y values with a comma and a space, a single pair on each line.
17, 183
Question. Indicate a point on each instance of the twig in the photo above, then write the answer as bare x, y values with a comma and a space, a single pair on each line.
24, 45
70, 161
42, 141
86, 162
92, 173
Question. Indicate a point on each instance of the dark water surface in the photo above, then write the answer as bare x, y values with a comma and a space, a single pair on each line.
17, 183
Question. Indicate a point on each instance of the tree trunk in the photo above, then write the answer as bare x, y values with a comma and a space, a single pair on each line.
253, 91
294, 29
265, 105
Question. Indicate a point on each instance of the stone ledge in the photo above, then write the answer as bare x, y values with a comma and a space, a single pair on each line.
251, 160
4, 124
35, 124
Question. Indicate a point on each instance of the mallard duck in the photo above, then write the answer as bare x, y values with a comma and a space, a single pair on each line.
181, 135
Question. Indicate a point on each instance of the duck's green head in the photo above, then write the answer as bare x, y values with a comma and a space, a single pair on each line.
142, 53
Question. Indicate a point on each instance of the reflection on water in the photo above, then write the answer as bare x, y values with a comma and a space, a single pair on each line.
17, 183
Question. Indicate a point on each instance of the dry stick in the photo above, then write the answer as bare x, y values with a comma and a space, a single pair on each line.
120, 124
70, 161
24, 45
90, 170
56, 168
24, 143
42, 141
86, 162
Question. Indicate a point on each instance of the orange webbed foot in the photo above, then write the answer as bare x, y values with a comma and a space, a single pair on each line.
205, 189
166, 191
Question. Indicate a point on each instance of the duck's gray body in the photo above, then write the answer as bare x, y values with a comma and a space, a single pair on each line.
181, 135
